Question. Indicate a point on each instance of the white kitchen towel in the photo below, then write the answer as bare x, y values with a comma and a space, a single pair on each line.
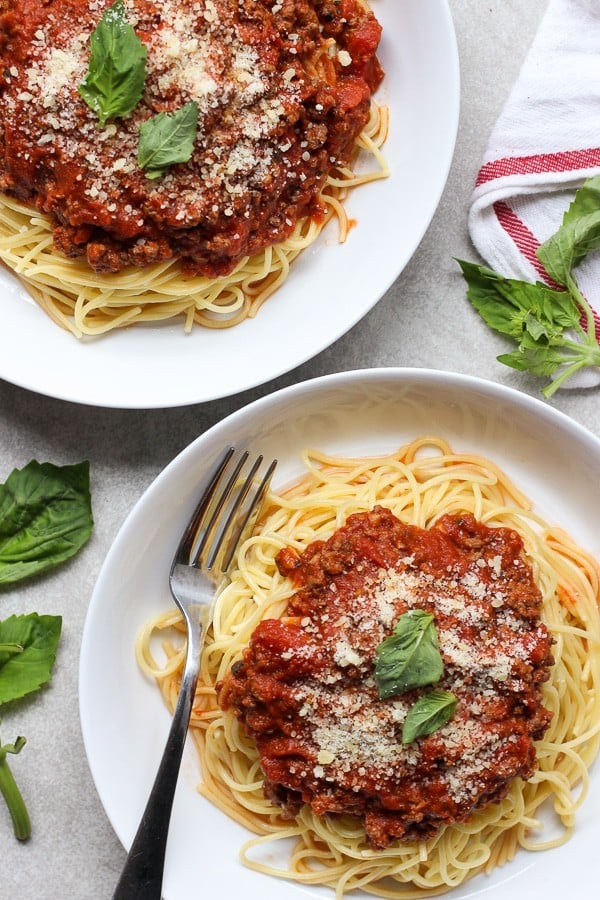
545, 144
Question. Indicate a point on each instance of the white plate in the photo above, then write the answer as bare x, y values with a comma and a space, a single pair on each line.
331, 286
554, 460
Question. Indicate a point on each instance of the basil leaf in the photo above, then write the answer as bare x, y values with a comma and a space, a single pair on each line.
116, 75
578, 235
511, 307
45, 518
24, 672
410, 657
428, 714
537, 359
167, 138
536, 329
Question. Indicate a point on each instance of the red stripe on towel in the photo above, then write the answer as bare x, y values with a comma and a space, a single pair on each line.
539, 164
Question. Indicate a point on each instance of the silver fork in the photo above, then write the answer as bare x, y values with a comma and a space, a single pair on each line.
222, 518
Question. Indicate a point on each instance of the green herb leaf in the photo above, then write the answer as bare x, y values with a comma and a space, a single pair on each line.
410, 657
428, 714
167, 138
115, 79
511, 307
25, 672
578, 235
541, 354
45, 518
536, 317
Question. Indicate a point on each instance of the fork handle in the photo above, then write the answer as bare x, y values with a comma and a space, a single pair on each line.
142, 875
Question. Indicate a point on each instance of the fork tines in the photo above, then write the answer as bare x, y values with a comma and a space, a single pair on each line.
227, 510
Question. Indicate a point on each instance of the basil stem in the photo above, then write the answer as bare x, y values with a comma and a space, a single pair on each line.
11, 793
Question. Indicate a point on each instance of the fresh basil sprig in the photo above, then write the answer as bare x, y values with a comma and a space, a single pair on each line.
45, 518
116, 75
546, 323
428, 714
410, 657
167, 138
23, 671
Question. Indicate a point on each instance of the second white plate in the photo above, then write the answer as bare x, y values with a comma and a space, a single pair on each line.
331, 285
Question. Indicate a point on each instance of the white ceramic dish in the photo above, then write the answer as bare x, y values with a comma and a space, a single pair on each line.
331, 286
555, 461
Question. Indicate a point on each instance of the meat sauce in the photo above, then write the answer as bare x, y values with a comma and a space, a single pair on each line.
283, 88
306, 693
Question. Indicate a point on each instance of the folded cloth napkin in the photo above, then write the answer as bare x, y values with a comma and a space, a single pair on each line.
545, 144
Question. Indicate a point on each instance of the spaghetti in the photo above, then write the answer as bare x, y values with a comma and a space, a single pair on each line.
285, 110
421, 484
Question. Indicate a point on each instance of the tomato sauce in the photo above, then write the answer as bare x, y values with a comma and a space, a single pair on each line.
283, 88
306, 693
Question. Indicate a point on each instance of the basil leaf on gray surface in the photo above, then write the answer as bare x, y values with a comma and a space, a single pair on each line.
545, 323
27, 652
513, 307
45, 518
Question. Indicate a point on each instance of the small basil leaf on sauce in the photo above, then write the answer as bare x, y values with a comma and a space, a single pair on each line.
410, 657
115, 79
167, 138
428, 714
